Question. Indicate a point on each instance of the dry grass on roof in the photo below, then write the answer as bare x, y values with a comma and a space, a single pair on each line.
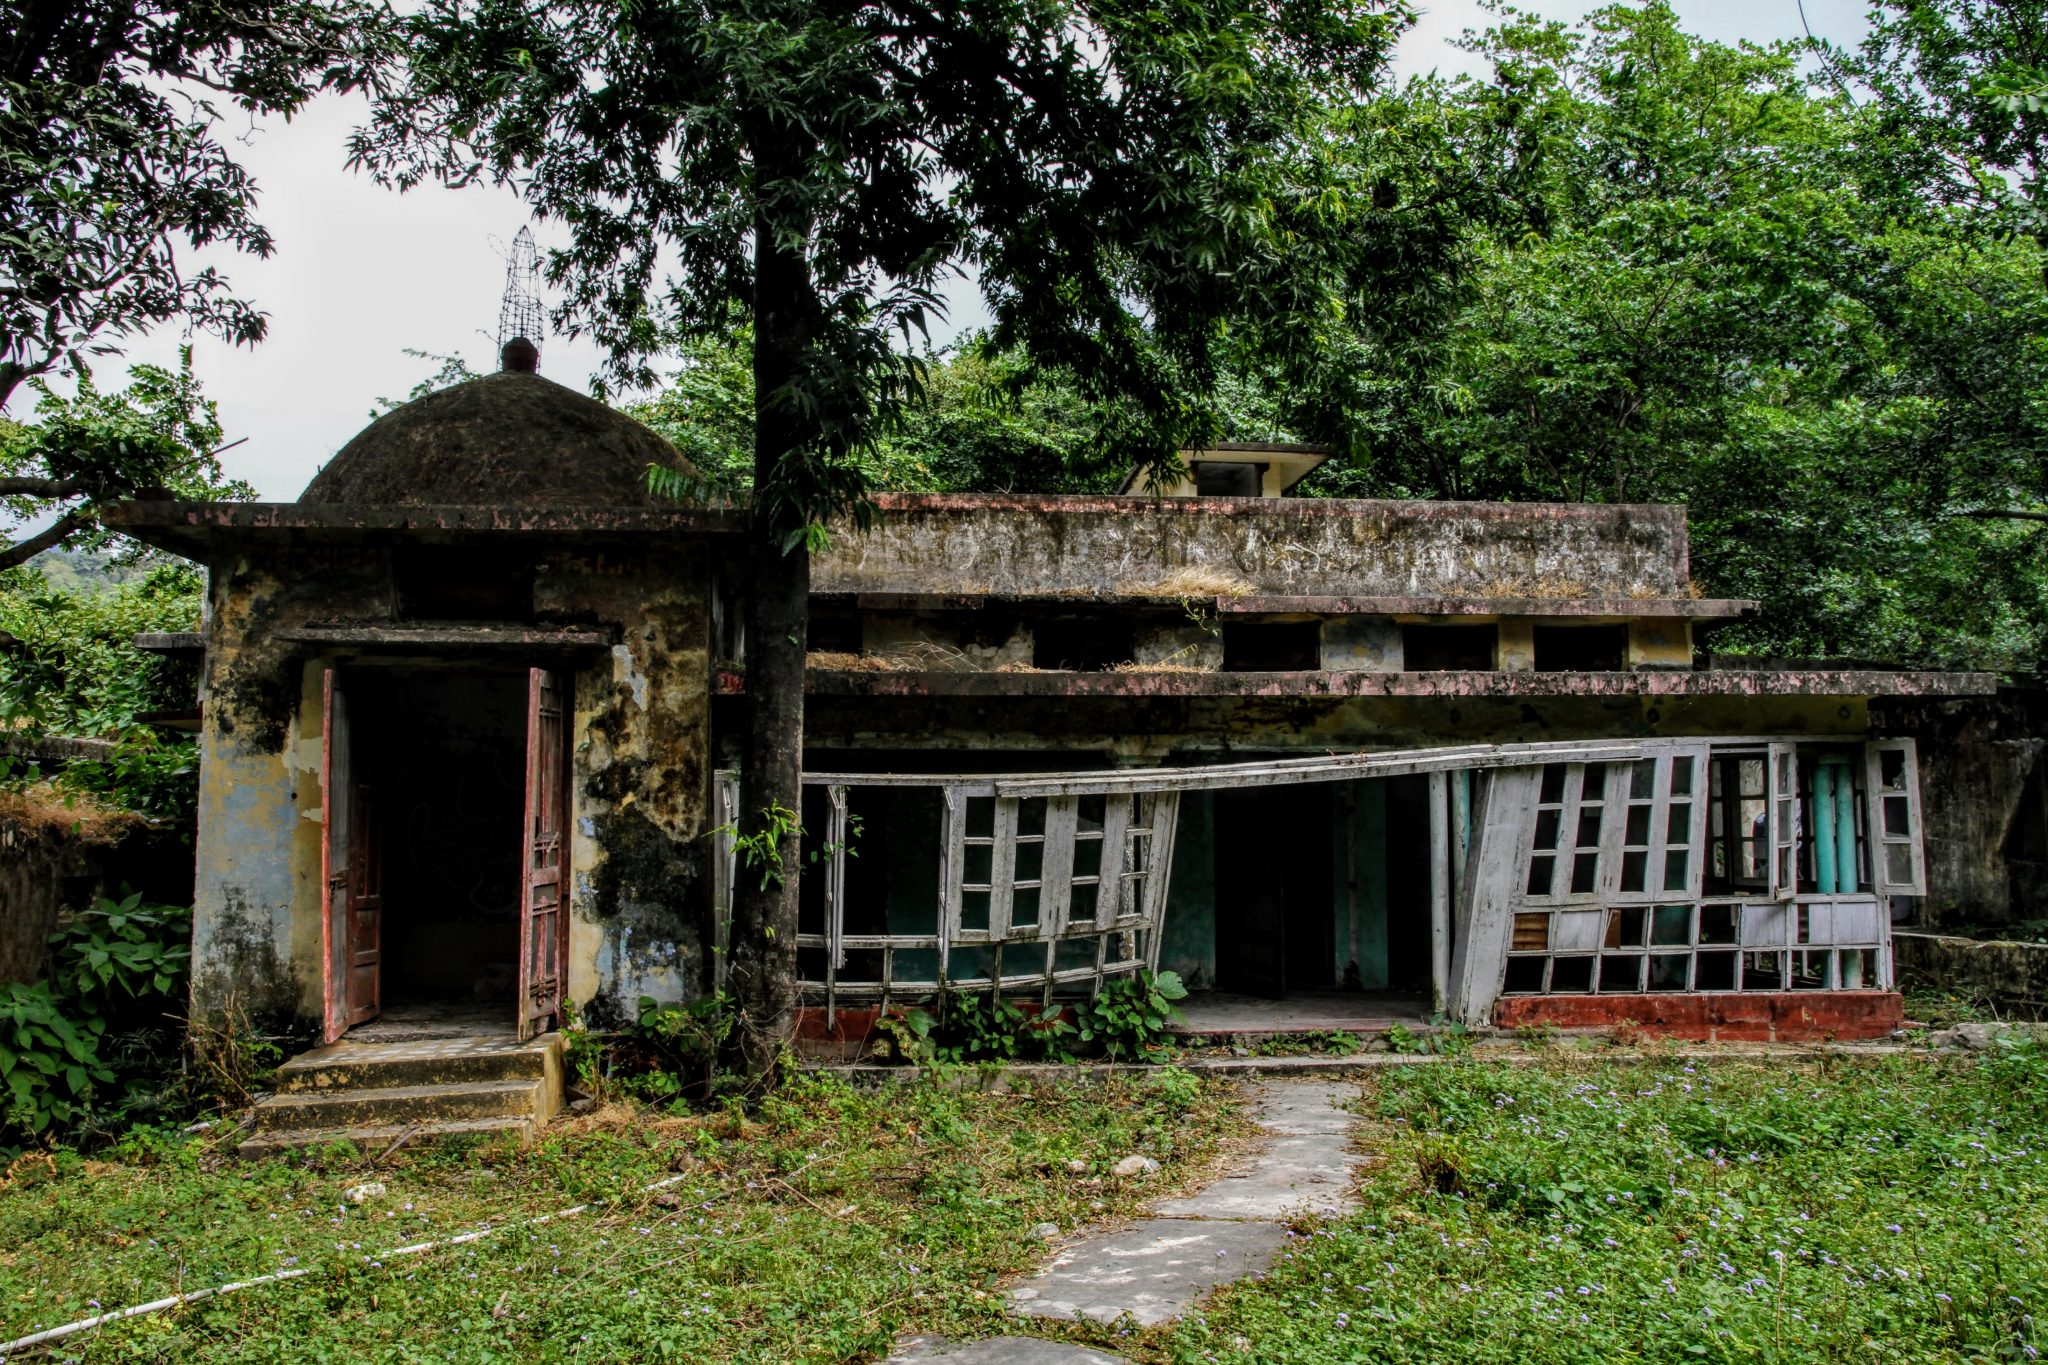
1192, 581
41, 810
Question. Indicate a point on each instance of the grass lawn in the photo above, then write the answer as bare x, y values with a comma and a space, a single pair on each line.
813, 1231
1574, 1208
1890, 1209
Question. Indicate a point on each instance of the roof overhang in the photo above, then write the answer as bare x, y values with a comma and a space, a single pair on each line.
198, 530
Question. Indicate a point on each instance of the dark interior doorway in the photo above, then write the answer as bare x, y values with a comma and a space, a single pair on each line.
446, 750
1275, 931
1408, 885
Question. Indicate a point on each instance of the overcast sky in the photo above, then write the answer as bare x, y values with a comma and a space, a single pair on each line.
361, 273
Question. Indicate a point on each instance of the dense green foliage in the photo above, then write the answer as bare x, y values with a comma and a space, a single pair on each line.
1674, 1210
94, 1047
812, 1230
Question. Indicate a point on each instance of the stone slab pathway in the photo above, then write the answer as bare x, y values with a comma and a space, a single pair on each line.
1153, 1271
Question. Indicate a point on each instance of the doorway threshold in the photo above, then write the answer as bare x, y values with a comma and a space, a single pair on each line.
1219, 1014
436, 1022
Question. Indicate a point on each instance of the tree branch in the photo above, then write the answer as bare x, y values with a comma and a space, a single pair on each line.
66, 526
39, 488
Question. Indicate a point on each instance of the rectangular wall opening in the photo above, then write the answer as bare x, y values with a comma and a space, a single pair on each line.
1449, 649
1581, 649
1272, 646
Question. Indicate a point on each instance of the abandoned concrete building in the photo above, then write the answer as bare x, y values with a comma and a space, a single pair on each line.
469, 708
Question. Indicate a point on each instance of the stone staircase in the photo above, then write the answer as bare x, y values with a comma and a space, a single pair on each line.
399, 1086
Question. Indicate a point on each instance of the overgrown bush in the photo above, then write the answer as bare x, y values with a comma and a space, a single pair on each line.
95, 1044
663, 1054
1126, 1021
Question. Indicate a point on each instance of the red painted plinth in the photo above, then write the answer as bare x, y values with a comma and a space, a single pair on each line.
854, 1025
1719, 1017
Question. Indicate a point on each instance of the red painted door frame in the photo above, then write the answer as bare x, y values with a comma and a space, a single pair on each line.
351, 876
543, 921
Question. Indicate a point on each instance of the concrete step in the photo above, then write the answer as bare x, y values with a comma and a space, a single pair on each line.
375, 1139
358, 1066
381, 1106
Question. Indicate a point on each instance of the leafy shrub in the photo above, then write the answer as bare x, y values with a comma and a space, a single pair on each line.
1127, 1019
665, 1053
91, 1046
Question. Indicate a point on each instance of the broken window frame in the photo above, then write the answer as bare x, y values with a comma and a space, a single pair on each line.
1837, 940
1904, 796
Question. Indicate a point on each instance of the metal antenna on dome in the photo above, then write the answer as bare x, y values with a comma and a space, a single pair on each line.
519, 316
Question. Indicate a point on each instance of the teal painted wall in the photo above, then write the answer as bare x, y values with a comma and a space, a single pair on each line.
1359, 878
1188, 938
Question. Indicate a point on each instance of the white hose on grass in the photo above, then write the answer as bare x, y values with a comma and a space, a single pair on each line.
34, 1339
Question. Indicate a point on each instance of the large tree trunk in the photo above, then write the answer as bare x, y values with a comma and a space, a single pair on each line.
761, 971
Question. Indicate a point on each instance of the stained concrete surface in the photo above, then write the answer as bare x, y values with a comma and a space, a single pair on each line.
1226, 1012
1154, 1271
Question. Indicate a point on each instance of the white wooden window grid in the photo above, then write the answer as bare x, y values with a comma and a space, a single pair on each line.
1891, 785
1784, 821
1771, 938
1811, 943
1009, 918
1564, 858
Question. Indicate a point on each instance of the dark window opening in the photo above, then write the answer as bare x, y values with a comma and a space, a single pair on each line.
1581, 649
833, 632
1228, 479
457, 583
1081, 646
1449, 649
1272, 647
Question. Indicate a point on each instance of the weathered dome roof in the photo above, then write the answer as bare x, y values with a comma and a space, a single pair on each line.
507, 439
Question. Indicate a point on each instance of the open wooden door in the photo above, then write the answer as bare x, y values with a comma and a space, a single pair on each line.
351, 873
543, 929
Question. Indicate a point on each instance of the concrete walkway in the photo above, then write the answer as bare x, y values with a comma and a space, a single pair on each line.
1153, 1271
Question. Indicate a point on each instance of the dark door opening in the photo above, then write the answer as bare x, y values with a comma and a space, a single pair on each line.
446, 752
1409, 885
1274, 926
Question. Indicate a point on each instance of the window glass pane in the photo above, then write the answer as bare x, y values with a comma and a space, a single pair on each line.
1714, 972
1681, 775
1896, 824
1672, 926
1621, 972
1024, 907
1633, 869
1585, 873
1030, 861
1678, 823
1638, 825
1717, 924
1571, 974
1763, 971
1589, 826
1525, 976
1675, 867
1539, 875
1087, 857
1891, 769
1553, 784
1625, 927
1546, 829
1668, 971
974, 910
1898, 863
1642, 779
980, 857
